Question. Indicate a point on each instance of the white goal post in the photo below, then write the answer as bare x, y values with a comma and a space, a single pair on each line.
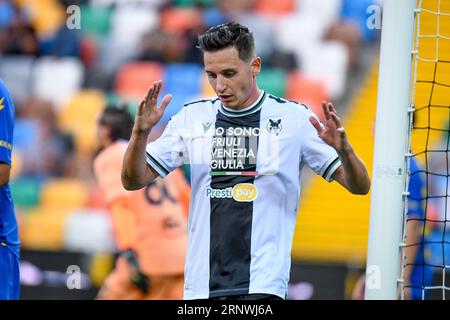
391, 147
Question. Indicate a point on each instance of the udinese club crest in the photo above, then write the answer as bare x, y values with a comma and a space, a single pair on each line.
274, 126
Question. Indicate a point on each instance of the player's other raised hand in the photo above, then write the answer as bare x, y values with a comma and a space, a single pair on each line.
148, 113
332, 131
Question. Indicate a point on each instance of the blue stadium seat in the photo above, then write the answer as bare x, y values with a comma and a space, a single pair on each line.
62, 43
25, 134
183, 82
178, 100
6, 13
185, 78
213, 16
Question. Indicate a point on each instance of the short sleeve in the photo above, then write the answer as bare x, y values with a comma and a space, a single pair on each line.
315, 153
167, 152
6, 126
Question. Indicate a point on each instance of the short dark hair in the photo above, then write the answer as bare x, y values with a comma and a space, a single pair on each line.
118, 119
231, 34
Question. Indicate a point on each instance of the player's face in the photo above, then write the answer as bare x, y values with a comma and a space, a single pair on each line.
233, 79
102, 132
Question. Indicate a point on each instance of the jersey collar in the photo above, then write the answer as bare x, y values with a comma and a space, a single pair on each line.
243, 112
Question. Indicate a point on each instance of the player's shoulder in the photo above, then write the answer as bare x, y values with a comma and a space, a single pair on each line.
193, 111
289, 106
6, 101
200, 103
4, 92
2, 87
198, 108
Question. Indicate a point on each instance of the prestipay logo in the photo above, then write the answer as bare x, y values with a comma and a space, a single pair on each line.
242, 192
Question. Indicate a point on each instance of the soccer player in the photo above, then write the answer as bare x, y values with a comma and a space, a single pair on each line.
149, 224
9, 238
418, 272
246, 149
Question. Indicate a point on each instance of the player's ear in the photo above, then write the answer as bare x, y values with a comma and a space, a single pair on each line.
256, 66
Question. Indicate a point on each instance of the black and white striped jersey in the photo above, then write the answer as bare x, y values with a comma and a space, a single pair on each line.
245, 178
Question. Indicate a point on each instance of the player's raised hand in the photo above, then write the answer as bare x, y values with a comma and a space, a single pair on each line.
148, 113
332, 131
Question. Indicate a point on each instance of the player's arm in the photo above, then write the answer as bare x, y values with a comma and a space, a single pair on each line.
136, 173
352, 174
4, 173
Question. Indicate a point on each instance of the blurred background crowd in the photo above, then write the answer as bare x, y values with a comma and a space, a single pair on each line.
62, 74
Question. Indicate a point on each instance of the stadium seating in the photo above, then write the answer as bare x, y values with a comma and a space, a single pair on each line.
57, 79
134, 79
64, 194
191, 3
310, 31
96, 25
327, 11
357, 12
113, 53
43, 229
326, 62
278, 7
95, 227
130, 21
178, 20
307, 91
185, 78
212, 17
26, 192
64, 42
25, 134
183, 82
6, 13
79, 117
273, 81
107, 3
337, 229
96, 20
46, 15
16, 72
88, 52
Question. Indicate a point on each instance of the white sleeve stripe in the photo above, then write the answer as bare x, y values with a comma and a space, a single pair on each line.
158, 161
331, 169
328, 165
157, 166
